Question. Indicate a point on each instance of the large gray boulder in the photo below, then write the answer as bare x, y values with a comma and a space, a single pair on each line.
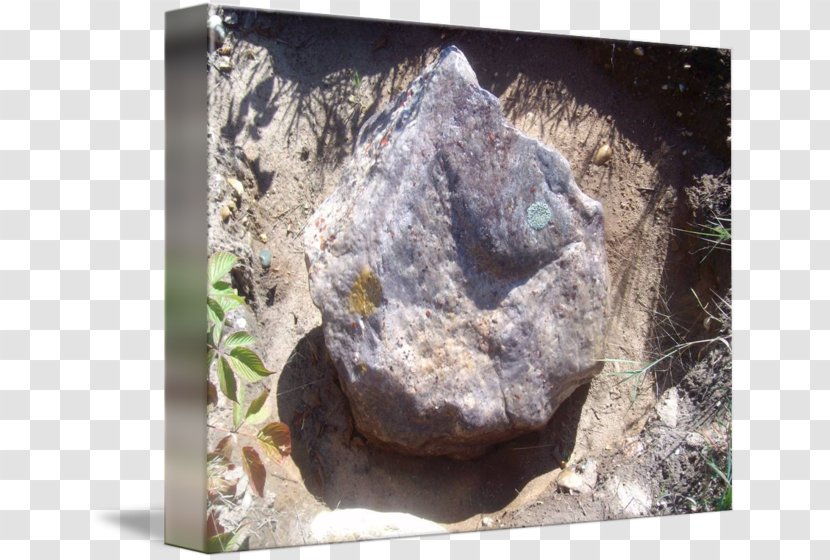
460, 272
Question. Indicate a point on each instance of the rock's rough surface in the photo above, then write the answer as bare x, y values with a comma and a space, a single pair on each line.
460, 272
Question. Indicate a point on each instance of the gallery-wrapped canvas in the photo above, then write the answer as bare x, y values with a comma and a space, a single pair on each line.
430, 279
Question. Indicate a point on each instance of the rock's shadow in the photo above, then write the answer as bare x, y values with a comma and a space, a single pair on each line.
341, 469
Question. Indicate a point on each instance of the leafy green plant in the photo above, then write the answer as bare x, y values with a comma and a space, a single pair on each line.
236, 361
716, 235
231, 352
725, 501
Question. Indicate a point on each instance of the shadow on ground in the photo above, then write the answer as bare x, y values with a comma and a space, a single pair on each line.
142, 524
342, 470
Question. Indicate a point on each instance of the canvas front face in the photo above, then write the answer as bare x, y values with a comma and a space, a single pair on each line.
458, 280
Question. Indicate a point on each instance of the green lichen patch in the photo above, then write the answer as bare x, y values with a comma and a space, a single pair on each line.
538, 215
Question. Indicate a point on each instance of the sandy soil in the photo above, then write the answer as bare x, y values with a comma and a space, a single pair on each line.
288, 95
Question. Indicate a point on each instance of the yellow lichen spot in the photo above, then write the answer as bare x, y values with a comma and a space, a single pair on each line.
366, 293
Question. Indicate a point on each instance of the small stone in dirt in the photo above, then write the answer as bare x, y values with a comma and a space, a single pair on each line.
236, 185
225, 213
216, 31
487, 521
695, 440
569, 479
667, 408
633, 500
263, 237
589, 473
224, 65
602, 155
460, 271
265, 258
638, 51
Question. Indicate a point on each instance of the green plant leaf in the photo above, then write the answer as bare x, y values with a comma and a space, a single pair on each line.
726, 500
216, 315
238, 410
223, 542
240, 338
259, 410
247, 365
211, 354
220, 264
227, 382
221, 287
216, 335
226, 297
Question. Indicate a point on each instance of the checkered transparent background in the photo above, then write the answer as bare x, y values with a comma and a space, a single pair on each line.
81, 278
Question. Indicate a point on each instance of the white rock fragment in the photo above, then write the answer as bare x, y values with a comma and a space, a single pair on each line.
667, 408
358, 524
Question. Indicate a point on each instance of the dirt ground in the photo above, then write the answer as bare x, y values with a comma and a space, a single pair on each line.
288, 95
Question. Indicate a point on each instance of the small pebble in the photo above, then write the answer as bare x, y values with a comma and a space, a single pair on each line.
225, 213
569, 479
638, 51
224, 65
263, 238
236, 185
265, 258
216, 31
602, 155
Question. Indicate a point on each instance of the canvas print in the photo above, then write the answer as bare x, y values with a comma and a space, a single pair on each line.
460, 279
